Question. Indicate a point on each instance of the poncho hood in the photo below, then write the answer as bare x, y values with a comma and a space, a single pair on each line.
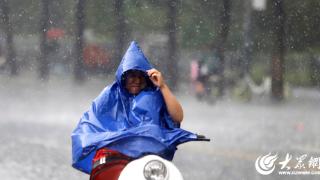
134, 59
133, 125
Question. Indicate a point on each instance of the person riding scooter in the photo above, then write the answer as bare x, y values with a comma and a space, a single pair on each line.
135, 116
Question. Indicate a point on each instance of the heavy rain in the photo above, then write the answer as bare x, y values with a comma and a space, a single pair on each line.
246, 73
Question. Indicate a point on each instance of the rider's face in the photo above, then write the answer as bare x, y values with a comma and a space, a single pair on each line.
135, 82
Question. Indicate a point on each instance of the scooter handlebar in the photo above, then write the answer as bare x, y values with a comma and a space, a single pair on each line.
202, 138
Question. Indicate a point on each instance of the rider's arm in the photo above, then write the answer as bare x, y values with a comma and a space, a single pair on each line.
173, 106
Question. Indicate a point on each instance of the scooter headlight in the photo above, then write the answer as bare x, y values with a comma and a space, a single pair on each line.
155, 170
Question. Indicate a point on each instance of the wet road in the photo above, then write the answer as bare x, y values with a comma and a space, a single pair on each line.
37, 119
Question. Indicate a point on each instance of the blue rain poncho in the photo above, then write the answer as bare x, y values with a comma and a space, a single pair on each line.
133, 125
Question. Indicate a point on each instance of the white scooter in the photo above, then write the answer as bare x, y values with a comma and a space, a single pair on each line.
152, 167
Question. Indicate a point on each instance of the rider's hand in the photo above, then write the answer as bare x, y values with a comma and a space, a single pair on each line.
173, 106
156, 77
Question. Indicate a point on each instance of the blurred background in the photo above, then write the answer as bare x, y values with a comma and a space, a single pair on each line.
246, 72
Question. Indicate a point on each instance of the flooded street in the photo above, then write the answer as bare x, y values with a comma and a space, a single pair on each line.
37, 120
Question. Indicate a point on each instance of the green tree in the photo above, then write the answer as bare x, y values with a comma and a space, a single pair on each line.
79, 43
11, 54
